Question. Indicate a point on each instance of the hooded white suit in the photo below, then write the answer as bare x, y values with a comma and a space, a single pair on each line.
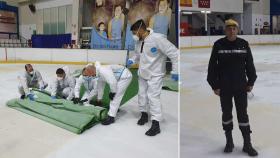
64, 87
151, 54
118, 78
27, 81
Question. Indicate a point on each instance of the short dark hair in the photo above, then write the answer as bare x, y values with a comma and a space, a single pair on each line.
25, 66
101, 24
118, 6
168, 1
60, 71
138, 24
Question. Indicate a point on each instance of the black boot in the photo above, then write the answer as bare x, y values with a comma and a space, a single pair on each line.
229, 146
154, 130
143, 119
22, 96
109, 120
248, 148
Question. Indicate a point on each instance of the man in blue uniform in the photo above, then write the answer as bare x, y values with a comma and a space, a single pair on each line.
231, 74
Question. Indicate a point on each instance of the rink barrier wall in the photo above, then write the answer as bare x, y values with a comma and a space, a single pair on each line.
61, 56
208, 41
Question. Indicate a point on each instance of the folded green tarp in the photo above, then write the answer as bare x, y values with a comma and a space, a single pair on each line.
65, 114
60, 112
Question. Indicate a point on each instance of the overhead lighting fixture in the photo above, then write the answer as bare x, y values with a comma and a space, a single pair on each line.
186, 13
205, 11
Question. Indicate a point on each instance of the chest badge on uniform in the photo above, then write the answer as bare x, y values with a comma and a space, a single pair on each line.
154, 50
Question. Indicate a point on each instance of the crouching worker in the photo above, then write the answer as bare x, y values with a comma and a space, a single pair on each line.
30, 79
89, 81
118, 78
63, 86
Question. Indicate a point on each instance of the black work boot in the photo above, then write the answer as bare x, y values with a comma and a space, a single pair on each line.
109, 120
248, 148
22, 96
154, 130
229, 146
143, 119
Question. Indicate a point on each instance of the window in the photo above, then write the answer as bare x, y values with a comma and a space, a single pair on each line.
57, 20
61, 20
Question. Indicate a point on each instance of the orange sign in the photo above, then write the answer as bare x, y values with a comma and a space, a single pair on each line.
186, 3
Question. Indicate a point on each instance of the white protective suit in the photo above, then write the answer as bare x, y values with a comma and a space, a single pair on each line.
64, 87
27, 81
118, 78
90, 86
151, 54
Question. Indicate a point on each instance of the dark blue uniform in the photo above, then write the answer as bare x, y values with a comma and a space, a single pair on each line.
231, 69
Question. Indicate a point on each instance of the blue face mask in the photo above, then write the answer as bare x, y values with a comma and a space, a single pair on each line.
89, 78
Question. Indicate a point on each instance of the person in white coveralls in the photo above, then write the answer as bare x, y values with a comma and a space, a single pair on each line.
118, 78
89, 80
64, 84
151, 51
30, 79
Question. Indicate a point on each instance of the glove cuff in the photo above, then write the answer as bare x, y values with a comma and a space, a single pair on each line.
173, 73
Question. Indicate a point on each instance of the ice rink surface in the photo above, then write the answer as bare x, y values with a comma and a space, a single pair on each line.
24, 136
201, 126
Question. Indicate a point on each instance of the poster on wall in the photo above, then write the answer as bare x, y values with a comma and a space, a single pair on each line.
8, 23
186, 3
108, 21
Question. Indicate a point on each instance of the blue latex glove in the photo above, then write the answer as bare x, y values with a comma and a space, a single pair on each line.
129, 62
31, 97
175, 77
53, 97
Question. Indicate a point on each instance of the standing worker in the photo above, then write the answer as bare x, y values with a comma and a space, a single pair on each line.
151, 51
231, 74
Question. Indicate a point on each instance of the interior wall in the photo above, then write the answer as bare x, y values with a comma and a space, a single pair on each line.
261, 7
260, 15
11, 2
172, 37
247, 16
87, 13
232, 6
30, 22
27, 21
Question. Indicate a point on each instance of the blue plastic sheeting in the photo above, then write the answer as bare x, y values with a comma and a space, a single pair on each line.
274, 7
101, 42
4, 6
50, 41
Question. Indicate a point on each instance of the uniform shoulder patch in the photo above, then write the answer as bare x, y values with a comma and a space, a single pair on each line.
154, 50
